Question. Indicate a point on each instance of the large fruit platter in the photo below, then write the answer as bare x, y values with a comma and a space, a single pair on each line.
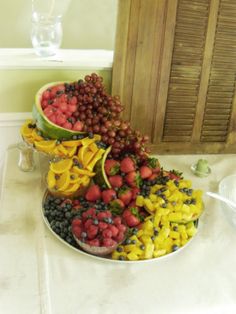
106, 195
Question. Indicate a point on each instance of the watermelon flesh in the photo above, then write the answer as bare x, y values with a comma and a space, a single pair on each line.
53, 112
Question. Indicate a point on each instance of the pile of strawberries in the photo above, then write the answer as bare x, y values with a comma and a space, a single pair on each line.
107, 227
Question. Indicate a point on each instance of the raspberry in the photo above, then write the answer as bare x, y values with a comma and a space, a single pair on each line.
76, 222
88, 223
92, 231
108, 242
102, 225
120, 237
77, 231
117, 221
107, 233
114, 230
122, 228
94, 242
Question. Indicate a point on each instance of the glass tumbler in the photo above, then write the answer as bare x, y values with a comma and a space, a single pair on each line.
46, 34
26, 157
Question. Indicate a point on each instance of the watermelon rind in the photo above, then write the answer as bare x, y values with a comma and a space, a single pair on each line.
101, 178
48, 128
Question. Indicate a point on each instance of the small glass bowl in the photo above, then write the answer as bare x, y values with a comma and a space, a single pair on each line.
97, 250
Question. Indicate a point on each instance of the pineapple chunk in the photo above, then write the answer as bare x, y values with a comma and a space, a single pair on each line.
149, 249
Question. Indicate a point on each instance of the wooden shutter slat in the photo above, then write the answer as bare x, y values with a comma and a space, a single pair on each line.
176, 72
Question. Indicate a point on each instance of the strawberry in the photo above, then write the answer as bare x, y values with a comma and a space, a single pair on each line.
127, 165
133, 179
116, 181
108, 195
90, 212
135, 191
175, 175
132, 221
153, 176
117, 206
132, 217
154, 164
125, 195
145, 172
112, 167
93, 194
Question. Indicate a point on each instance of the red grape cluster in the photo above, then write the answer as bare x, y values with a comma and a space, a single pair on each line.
100, 114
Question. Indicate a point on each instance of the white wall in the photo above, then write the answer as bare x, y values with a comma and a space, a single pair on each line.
87, 24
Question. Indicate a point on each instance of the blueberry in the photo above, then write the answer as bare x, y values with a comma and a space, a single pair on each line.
46, 207
63, 235
133, 241
80, 136
69, 239
74, 137
68, 215
163, 205
127, 241
83, 234
95, 222
153, 238
134, 230
109, 220
176, 183
189, 192
121, 258
119, 249
68, 206
158, 192
175, 228
90, 135
174, 248
142, 247
155, 232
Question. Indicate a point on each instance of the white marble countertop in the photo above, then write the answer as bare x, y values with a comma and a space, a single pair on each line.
38, 274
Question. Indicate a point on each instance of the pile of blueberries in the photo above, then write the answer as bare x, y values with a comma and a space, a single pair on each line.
59, 214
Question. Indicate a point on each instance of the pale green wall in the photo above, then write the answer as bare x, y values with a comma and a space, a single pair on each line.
87, 24
19, 86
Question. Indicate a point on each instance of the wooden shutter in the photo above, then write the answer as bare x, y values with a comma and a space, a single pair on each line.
174, 68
